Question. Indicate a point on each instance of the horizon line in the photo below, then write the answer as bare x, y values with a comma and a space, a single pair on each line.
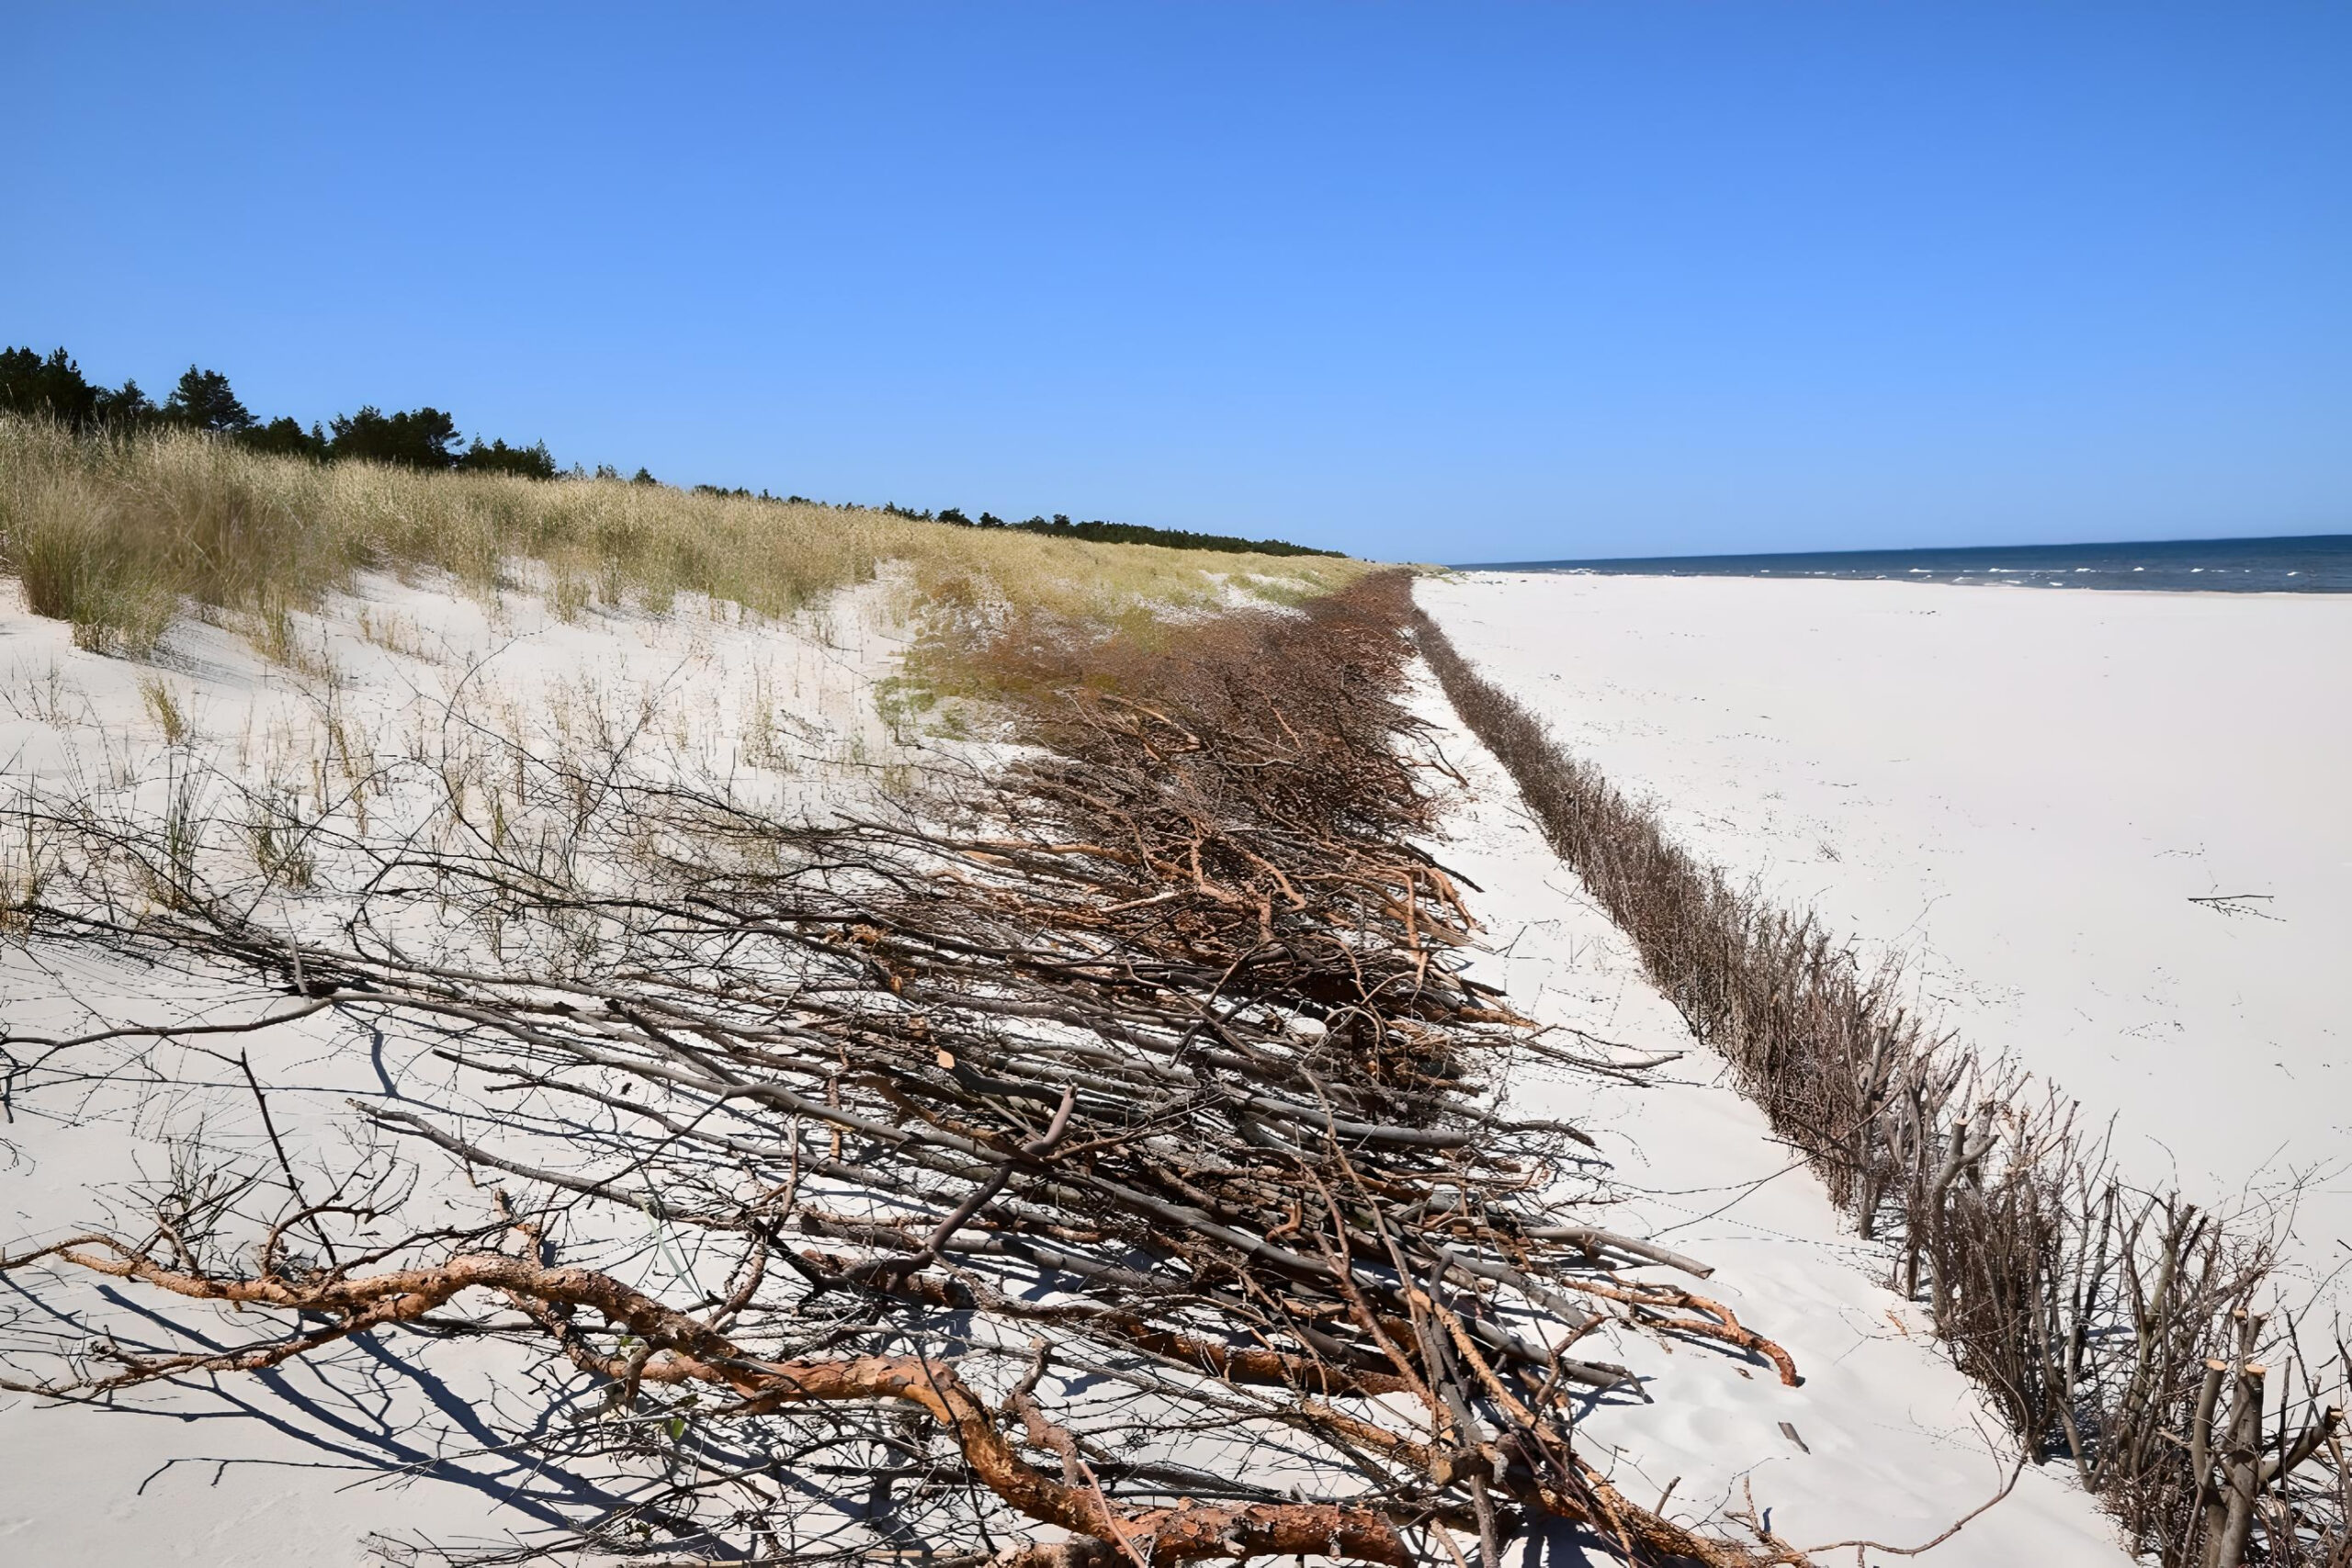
1892, 550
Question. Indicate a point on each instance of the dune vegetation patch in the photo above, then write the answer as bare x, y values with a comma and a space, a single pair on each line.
121, 535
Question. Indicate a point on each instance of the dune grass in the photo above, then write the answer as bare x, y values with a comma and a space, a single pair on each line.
121, 535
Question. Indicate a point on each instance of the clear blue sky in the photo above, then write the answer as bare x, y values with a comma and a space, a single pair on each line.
1445, 282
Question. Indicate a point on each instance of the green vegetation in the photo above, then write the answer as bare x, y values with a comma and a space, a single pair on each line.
1104, 533
1101, 533
51, 386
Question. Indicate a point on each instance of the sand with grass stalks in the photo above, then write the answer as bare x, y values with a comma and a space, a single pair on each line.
382, 702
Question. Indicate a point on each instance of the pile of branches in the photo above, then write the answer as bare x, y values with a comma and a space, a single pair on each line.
1098, 1162
2114, 1327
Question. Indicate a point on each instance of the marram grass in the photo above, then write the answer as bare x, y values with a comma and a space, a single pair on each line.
121, 535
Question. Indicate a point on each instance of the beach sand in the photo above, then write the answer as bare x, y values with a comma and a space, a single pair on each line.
2024, 795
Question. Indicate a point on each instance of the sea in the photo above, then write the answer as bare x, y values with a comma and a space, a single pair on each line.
2318, 563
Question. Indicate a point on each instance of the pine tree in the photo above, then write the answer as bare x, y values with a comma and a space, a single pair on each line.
50, 386
203, 402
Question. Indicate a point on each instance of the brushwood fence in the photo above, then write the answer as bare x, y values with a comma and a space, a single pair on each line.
2118, 1328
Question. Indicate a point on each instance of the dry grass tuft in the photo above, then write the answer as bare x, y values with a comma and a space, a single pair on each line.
164, 705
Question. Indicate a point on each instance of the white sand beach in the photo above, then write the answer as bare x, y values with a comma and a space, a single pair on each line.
2106, 831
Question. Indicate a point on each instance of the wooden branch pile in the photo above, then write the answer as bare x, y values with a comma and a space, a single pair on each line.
1099, 1164
2108, 1325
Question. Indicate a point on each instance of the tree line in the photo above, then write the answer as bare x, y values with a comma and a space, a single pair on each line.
51, 386
1106, 533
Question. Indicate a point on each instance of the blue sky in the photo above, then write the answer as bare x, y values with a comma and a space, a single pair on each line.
1445, 282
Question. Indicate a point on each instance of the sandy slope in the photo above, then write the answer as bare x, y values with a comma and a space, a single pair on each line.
1897, 1440
301, 1466
2022, 791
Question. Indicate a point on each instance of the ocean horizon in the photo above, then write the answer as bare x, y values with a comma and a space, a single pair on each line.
2314, 563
